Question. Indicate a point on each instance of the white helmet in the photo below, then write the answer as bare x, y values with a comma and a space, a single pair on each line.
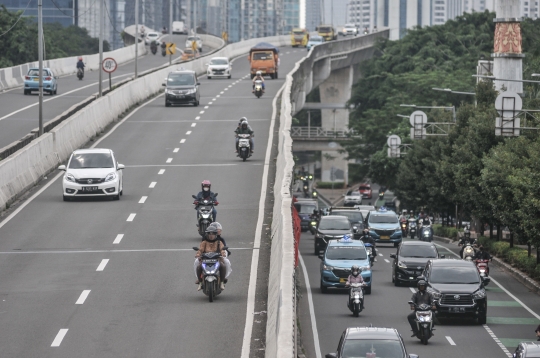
259, 73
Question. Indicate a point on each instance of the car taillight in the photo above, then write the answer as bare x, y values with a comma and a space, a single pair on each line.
48, 78
26, 77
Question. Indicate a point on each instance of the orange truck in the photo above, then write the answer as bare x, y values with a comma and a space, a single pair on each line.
264, 57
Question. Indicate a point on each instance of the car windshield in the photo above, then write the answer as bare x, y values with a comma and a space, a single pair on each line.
152, 35
306, 209
262, 56
181, 79
324, 29
218, 61
353, 216
346, 253
418, 251
461, 275
362, 187
316, 39
353, 193
380, 348
334, 224
191, 38
91, 160
298, 32
383, 219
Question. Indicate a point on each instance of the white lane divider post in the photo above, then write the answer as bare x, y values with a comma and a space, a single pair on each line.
131, 217
102, 265
82, 297
59, 337
119, 238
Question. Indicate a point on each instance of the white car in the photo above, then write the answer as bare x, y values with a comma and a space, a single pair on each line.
219, 67
151, 36
352, 198
350, 29
190, 40
92, 172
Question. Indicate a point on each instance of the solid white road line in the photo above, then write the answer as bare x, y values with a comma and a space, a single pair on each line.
131, 217
152, 184
450, 340
182, 141
193, 124
504, 349
59, 337
412, 290
314, 330
102, 265
188, 132
161, 171
176, 150
119, 238
248, 329
143, 199
82, 297
386, 260
169, 160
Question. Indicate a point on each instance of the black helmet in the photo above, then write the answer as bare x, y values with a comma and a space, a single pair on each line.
212, 229
355, 270
421, 283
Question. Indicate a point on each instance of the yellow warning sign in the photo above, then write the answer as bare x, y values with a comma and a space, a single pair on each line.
170, 48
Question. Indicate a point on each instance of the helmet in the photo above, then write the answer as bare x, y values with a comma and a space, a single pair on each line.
206, 183
481, 247
244, 124
80, 58
421, 283
217, 225
211, 229
355, 270
259, 73
243, 119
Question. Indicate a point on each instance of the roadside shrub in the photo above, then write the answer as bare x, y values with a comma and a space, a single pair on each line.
445, 231
328, 185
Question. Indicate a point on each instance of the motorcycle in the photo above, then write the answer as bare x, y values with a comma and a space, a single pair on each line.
426, 233
356, 298
244, 146
204, 213
482, 266
305, 187
313, 226
371, 252
412, 228
258, 88
163, 52
468, 252
404, 231
210, 276
424, 321
381, 195
153, 49
80, 73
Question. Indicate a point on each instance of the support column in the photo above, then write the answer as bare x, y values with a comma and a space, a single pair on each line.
334, 162
507, 54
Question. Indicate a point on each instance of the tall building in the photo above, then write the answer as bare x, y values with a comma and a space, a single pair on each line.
291, 15
313, 14
62, 11
335, 12
362, 13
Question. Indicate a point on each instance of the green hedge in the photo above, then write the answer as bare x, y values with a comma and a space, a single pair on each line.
445, 231
515, 256
328, 185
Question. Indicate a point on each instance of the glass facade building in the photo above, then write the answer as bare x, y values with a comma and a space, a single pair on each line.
62, 11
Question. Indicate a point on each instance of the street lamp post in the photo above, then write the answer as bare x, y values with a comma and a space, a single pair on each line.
136, 35
452, 108
448, 90
40, 58
101, 14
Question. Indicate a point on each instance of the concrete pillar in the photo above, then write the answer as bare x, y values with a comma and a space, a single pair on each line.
507, 53
336, 89
332, 161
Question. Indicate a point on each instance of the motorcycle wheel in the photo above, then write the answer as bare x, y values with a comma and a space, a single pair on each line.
425, 335
244, 159
202, 229
356, 309
211, 292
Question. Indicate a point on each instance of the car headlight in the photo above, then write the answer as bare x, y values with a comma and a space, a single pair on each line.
191, 91
110, 176
70, 177
436, 295
327, 267
401, 265
168, 91
365, 268
481, 293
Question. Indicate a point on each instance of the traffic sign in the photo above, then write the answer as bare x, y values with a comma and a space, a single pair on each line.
194, 45
393, 141
109, 65
508, 104
418, 118
170, 48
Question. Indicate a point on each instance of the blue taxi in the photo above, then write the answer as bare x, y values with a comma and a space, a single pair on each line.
384, 226
31, 81
337, 260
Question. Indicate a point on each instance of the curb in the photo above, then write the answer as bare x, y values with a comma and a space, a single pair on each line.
519, 275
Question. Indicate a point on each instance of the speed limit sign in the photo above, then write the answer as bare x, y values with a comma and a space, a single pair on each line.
109, 65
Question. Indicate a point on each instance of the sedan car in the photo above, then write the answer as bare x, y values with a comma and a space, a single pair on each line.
337, 260
365, 190
31, 81
371, 342
352, 198
191, 39
219, 67
314, 41
92, 172
410, 261
330, 228
151, 36
182, 87
527, 350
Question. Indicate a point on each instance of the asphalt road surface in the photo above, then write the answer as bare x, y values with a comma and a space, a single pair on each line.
99, 278
513, 312
19, 114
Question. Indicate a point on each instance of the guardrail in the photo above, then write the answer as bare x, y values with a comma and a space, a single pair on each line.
319, 132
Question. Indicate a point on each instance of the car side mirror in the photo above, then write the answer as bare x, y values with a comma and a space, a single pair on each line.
330, 355
486, 280
62, 167
321, 255
121, 166
198, 83
442, 256
392, 256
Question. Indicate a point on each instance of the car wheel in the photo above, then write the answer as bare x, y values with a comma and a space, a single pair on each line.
56, 90
25, 92
196, 104
324, 289
482, 319
167, 104
396, 244
229, 77
316, 251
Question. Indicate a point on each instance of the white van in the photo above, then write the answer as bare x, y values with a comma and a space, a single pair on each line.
178, 27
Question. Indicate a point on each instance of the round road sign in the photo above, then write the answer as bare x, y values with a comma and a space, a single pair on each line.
418, 117
508, 104
393, 141
109, 65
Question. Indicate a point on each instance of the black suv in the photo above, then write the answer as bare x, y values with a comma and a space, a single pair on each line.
410, 261
330, 228
354, 215
378, 341
182, 87
457, 288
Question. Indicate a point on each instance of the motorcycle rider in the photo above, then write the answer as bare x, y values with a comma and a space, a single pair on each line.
403, 216
206, 193
355, 277
367, 239
465, 240
258, 77
243, 119
244, 128
80, 65
153, 46
419, 297
481, 254
211, 244
163, 46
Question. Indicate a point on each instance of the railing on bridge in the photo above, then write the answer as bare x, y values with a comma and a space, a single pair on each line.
320, 133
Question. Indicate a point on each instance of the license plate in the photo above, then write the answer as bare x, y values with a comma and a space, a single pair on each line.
385, 237
342, 280
36, 79
180, 95
89, 188
457, 309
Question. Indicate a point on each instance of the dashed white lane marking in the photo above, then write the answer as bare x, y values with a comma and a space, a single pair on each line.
221, 92
161, 171
176, 150
188, 132
102, 265
386, 260
490, 332
225, 89
380, 254
205, 107
182, 141
193, 124
229, 86
169, 160
218, 96
450, 340
197, 118
143, 199
131, 217
82, 297
201, 112
412, 290
213, 99
153, 184
59, 337
119, 238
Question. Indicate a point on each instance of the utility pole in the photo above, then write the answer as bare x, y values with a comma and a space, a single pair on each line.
195, 15
40, 57
100, 46
170, 16
136, 35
